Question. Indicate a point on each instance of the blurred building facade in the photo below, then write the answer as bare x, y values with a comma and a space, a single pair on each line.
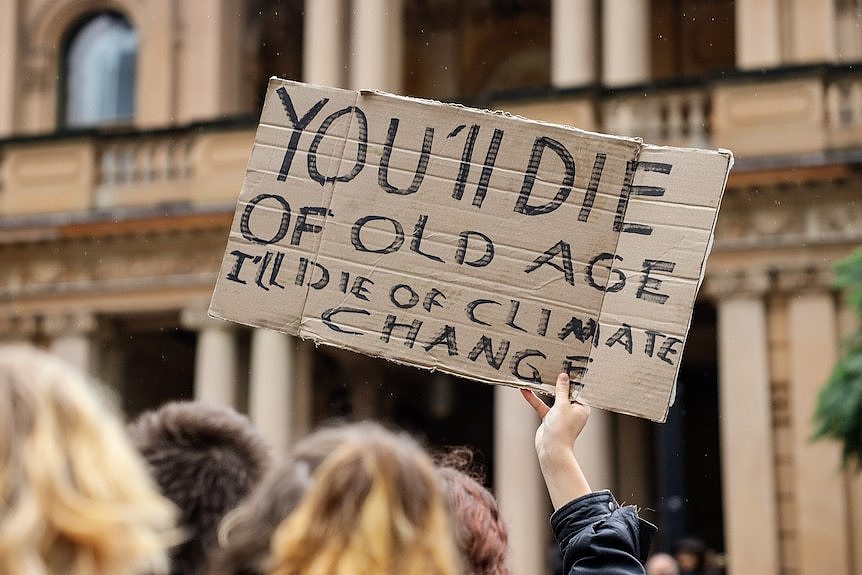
126, 125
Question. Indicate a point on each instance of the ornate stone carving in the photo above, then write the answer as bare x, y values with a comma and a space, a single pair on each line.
785, 216
736, 283
831, 218
95, 265
759, 281
803, 279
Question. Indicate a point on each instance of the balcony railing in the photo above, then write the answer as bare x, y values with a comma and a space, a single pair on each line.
84, 171
130, 164
675, 117
134, 160
804, 110
811, 111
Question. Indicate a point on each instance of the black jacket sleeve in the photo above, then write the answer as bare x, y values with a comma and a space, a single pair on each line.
596, 535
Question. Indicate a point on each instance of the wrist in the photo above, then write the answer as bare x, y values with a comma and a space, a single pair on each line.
555, 454
563, 476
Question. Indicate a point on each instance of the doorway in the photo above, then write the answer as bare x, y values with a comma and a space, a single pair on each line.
148, 359
687, 451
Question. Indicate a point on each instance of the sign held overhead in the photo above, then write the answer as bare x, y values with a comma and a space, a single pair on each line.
476, 243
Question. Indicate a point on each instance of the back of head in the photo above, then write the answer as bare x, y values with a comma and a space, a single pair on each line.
374, 507
245, 534
690, 554
479, 530
206, 459
76, 497
662, 564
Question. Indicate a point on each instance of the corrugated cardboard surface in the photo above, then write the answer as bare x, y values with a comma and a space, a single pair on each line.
476, 243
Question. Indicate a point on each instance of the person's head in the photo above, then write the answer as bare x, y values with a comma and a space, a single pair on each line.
76, 497
374, 507
206, 459
662, 564
690, 553
479, 530
351, 499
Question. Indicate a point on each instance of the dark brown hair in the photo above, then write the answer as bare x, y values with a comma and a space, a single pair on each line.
245, 534
206, 459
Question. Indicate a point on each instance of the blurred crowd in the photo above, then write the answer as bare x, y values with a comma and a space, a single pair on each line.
690, 557
193, 488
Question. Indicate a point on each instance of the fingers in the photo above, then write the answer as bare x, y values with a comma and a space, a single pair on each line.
537, 404
561, 391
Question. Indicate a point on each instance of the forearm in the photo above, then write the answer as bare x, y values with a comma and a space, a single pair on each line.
563, 476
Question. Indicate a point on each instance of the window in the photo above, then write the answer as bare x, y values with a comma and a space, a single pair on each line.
99, 67
692, 37
456, 50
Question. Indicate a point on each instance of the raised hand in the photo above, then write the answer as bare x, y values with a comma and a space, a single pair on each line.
555, 439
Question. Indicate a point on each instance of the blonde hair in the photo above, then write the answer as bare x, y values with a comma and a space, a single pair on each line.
76, 498
374, 507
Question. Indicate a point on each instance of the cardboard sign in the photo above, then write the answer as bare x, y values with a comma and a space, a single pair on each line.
476, 243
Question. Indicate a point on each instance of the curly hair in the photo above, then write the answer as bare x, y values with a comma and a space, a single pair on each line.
77, 499
479, 529
206, 459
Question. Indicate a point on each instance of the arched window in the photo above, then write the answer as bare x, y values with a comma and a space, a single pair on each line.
99, 72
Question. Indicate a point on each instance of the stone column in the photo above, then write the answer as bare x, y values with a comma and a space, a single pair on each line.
278, 387
625, 42
821, 502
325, 33
758, 34
747, 453
573, 43
209, 59
634, 464
376, 45
813, 31
8, 65
36, 110
71, 338
157, 79
595, 450
518, 482
215, 359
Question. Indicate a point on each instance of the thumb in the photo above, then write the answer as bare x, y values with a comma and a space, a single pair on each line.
562, 388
